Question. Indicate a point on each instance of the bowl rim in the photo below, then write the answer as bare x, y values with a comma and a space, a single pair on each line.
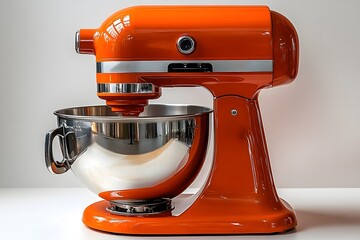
193, 111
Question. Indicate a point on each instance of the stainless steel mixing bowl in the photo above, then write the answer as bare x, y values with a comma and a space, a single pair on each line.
154, 155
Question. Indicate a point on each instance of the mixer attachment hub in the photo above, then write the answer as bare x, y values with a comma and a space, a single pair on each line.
127, 107
141, 207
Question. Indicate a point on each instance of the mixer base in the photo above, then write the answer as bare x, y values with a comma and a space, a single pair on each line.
207, 218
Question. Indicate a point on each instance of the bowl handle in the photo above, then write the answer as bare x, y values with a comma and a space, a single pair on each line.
68, 146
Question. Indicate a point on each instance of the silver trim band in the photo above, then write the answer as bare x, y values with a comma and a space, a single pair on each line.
77, 41
125, 88
162, 66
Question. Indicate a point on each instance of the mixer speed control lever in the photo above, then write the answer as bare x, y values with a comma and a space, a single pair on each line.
190, 67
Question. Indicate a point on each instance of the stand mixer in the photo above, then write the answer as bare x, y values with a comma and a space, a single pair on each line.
234, 52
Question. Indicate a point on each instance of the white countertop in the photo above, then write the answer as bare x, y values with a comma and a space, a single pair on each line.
55, 213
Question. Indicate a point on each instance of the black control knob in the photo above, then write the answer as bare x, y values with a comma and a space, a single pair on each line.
186, 45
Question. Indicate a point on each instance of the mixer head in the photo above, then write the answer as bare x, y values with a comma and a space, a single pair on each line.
229, 50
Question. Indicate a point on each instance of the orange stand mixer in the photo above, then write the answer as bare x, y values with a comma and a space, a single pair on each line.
234, 52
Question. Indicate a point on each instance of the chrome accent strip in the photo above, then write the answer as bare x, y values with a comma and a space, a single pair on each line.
162, 66
77, 41
125, 88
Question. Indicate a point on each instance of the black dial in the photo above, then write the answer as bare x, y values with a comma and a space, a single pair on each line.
186, 45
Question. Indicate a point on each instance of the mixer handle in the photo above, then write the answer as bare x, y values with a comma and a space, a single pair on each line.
68, 146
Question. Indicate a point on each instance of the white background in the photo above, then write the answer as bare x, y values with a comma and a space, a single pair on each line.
312, 125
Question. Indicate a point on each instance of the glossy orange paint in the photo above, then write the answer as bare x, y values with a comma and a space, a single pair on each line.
86, 41
286, 50
151, 32
239, 195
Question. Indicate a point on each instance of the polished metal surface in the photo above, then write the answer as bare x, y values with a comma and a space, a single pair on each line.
110, 152
162, 66
151, 113
77, 41
125, 88
140, 208
68, 146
